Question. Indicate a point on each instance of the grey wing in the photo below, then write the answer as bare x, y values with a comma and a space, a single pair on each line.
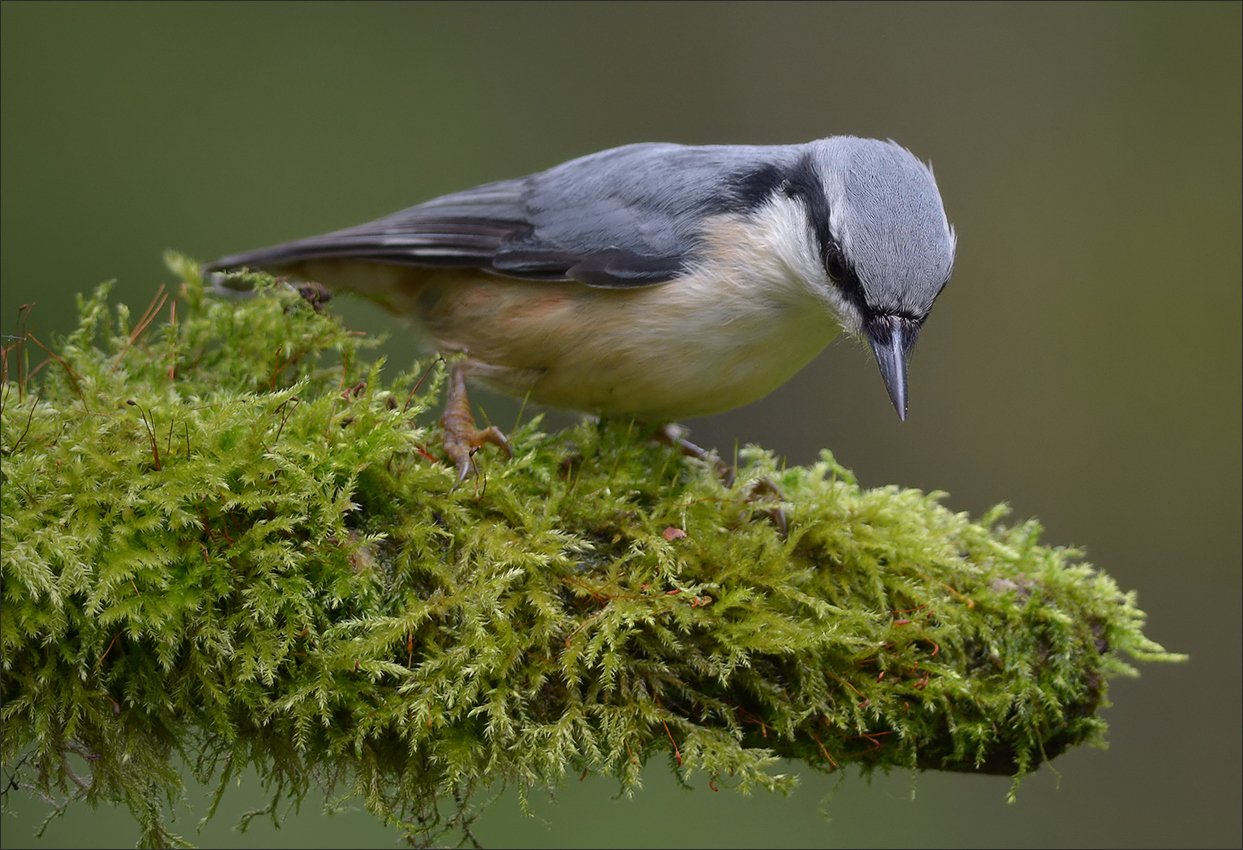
624, 217
465, 229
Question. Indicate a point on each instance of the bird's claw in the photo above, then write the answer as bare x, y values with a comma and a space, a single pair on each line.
462, 440
760, 490
764, 490
674, 435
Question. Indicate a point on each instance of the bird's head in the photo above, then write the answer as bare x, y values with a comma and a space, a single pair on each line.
883, 240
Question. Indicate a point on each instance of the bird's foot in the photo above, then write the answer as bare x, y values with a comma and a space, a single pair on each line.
762, 490
315, 294
461, 437
675, 435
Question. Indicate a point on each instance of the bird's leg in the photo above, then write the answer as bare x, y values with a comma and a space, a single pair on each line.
674, 435
762, 490
461, 438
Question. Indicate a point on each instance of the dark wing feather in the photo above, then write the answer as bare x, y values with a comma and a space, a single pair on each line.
624, 217
606, 267
461, 230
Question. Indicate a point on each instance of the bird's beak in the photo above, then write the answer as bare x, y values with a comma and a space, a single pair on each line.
892, 339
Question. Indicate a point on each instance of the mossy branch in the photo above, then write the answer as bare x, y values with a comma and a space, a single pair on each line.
227, 537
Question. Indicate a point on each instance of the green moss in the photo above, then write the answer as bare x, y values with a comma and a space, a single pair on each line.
229, 538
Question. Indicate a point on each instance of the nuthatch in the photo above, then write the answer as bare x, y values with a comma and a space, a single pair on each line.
657, 281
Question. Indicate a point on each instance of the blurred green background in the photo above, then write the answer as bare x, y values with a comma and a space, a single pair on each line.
1084, 364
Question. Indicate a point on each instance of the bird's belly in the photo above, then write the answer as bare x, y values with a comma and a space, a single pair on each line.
699, 345
658, 352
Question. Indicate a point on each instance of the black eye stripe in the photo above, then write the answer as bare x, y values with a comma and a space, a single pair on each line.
802, 182
805, 184
845, 279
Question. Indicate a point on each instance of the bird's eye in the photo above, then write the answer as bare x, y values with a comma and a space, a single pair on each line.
834, 265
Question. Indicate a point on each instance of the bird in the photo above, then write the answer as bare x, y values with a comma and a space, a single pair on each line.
656, 281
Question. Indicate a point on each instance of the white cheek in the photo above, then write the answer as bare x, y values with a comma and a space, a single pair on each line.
846, 312
787, 233
784, 232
